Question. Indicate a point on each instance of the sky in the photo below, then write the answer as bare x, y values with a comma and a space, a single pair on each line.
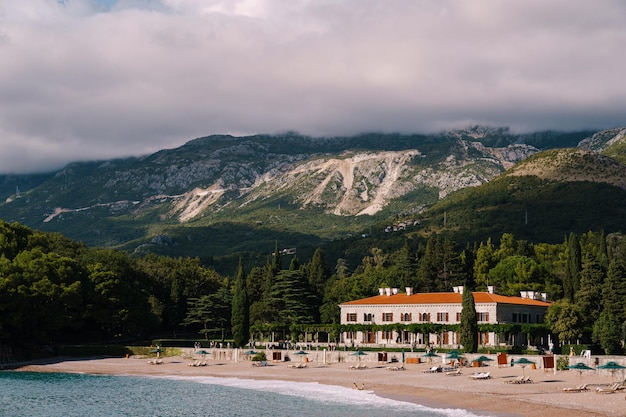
100, 79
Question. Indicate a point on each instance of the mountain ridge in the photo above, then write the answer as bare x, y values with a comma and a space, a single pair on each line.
286, 183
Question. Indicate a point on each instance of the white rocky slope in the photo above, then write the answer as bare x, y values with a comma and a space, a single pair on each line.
358, 183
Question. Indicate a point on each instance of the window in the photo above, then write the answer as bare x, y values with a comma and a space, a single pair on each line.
406, 317
482, 317
522, 318
425, 317
387, 334
351, 317
387, 316
458, 317
442, 317
367, 316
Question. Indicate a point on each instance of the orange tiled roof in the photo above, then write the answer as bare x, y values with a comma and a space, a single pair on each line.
444, 298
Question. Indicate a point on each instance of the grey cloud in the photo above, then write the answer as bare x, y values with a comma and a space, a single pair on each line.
83, 82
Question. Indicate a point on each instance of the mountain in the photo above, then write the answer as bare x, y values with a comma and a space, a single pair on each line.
220, 195
542, 198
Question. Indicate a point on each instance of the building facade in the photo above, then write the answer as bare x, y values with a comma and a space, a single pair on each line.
394, 307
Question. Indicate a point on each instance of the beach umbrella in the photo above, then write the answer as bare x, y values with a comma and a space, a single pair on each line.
580, 367
453, 354
157, 350
358, 354
523, 362
250, 352
301, 353
482, 359
430, 355
202, 352
613, 367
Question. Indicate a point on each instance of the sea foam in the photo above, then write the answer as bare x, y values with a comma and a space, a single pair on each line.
328, 394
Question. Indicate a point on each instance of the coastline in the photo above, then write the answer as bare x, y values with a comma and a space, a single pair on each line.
543, 397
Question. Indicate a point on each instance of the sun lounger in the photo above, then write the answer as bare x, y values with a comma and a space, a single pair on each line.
260, 363
613, 388
298, 365
579, 388
481, 375
396, 368
518, 380
433, 370
454, 373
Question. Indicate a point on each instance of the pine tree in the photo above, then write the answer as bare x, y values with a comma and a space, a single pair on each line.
406, 266
468, 332
291, 298
318, 273
240, 317
589, 295
607, 329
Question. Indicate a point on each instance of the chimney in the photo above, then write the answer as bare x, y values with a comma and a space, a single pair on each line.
381, 291
461, 290
408, 290
544, 296
388, 291
523, 294
394, 291
490, 289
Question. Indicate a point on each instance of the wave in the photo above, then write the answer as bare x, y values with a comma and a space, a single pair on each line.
315, 391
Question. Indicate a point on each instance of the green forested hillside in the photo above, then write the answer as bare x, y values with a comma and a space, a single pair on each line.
54, 291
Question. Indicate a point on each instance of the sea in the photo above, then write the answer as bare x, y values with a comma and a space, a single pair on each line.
44, 394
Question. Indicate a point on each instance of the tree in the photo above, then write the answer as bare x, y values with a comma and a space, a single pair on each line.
210, 311
428, 271
571, 279
405, 267
563, 319
589, 295
468, 331
606, 331
485, 260
291, 298
240, 318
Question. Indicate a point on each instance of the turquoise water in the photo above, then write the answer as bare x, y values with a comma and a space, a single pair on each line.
66, 395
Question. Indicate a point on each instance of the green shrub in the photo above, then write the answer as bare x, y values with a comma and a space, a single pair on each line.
562, 363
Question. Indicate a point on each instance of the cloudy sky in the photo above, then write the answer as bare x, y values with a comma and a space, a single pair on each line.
96, 79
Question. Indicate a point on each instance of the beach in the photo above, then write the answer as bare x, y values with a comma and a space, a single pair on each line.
493, 396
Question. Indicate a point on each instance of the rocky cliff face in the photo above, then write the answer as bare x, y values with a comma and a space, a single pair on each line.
351, 183
220, 177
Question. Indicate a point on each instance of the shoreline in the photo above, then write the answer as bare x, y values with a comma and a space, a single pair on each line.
492, 397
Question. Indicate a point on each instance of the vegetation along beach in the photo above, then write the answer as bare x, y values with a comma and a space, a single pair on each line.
318, 208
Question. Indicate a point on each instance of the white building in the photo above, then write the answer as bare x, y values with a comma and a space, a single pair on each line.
393, 307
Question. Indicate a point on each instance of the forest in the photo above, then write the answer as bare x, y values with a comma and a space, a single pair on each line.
56, 291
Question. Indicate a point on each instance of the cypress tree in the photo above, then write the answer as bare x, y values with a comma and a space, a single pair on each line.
589, 295
573, 267
468, 332
240, 318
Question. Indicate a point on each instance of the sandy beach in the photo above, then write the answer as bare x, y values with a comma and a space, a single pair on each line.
543, 397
